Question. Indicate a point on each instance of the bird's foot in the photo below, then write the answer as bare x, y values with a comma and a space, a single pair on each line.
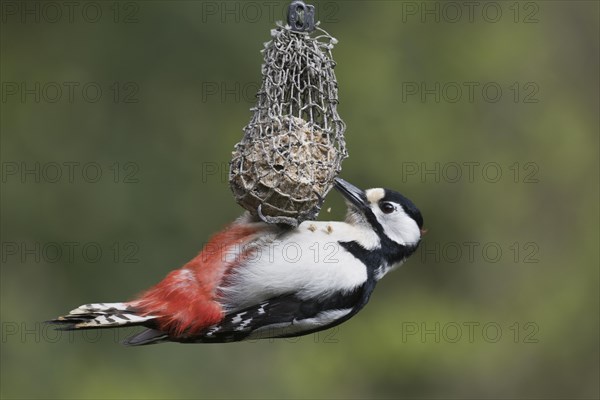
289, 221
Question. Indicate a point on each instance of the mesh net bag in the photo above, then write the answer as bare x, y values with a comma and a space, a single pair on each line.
293, 147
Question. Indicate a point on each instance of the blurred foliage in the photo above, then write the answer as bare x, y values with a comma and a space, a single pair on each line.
179, 132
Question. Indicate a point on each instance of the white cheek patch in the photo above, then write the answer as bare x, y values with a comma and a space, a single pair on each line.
399, 226
374, 195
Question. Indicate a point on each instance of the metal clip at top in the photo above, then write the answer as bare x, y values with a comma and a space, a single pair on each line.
301, 16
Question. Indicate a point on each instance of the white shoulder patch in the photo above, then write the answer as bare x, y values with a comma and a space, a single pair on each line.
308, 261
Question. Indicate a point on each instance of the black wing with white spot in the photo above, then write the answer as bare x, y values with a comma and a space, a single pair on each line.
284, 316
279, 317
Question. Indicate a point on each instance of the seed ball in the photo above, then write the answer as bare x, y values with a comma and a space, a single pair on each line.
288, 170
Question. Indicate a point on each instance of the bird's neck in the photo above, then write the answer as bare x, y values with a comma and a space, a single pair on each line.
382, 260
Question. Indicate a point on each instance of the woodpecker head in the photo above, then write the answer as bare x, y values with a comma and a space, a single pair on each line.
389, 213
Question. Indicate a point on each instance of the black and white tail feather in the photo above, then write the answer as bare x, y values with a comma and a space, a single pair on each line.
101, 315
111, 315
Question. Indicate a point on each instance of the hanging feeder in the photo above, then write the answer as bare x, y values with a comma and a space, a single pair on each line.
293, 147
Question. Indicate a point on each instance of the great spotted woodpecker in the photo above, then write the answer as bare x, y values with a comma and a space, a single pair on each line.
255, 280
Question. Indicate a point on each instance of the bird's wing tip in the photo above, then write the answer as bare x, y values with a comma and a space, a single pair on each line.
148, 336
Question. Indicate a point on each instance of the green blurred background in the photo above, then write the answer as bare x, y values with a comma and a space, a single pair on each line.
500, 302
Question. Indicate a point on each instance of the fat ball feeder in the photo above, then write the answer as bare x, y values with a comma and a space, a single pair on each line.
293, 146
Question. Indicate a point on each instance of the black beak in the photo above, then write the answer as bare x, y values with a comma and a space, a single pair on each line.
353, 194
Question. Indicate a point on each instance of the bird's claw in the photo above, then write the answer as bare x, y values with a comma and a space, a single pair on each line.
277, 220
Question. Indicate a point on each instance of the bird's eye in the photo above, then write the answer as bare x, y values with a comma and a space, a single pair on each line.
387, 208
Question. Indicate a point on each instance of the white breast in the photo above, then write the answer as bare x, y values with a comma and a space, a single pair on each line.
308, 261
